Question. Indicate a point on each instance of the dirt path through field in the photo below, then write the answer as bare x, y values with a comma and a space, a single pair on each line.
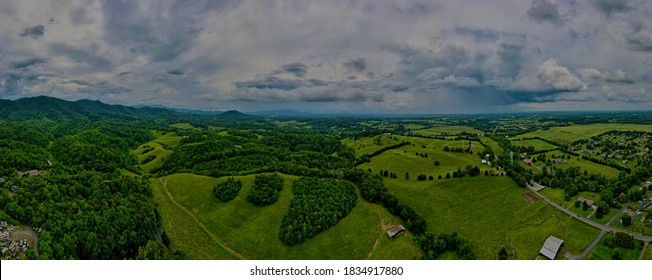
214, 237
382, 227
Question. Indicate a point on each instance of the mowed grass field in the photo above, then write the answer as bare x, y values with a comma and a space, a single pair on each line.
162, 146
366, 146
538, 145
446, 130
569, 134
493, 144
182, 125
604, 252
574, 161
405, 159
490, 212
252, 231
647, 255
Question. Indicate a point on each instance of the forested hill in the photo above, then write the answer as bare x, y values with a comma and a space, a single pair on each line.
56, 109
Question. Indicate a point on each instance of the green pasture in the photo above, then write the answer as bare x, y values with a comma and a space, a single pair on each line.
574, 161
490, 212
252, 231
366, 146
569, 134
405, 159
447, 130
604, 252
538, 145
182, 125
162, 146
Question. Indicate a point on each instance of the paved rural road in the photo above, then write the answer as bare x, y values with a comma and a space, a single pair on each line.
602, 233
602, 227
595, 242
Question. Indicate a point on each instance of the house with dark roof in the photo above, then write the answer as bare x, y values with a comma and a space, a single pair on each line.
585, 200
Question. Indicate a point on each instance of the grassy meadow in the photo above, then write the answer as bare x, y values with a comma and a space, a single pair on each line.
245, 228
538, 145
604, 252
461, 205
574, 161
405, 159
161, 147
569, 134
446, 130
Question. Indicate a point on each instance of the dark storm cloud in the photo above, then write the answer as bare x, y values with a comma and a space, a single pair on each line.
511, 52
11, 83
637, 42
271, 82
81, 83
611, 7
356, 65
96, 62
34, 31
479, 35
175, 72
297, 68
27, 63
162, 32
543, 10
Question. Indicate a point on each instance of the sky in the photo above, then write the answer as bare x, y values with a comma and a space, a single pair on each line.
465, 56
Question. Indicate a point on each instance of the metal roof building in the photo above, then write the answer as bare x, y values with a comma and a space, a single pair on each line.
551, 247
395, 231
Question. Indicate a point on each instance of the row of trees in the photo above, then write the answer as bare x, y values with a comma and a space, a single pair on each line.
374, 191
433, 245
317, 205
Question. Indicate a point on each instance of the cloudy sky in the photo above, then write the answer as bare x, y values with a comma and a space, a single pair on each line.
373, 56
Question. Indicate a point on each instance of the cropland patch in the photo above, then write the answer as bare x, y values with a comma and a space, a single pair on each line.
529, 197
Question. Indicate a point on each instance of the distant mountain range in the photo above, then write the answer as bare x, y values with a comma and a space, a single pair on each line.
57, 109
282, 112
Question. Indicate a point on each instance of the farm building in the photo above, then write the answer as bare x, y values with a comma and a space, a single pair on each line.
395, 231
585, 200
551, 247
2, 180
484, 162
528, 162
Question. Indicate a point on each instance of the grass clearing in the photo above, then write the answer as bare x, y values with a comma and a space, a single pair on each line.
405, 159
161, 147
569, 134
460, 205
583, 164
493, 144
538, 145
647, 255
604, 252
244, 227
182, 125
446, 130
556, 195
183, 231
368, 145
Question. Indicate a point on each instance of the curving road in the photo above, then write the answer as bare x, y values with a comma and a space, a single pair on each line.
601, 227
